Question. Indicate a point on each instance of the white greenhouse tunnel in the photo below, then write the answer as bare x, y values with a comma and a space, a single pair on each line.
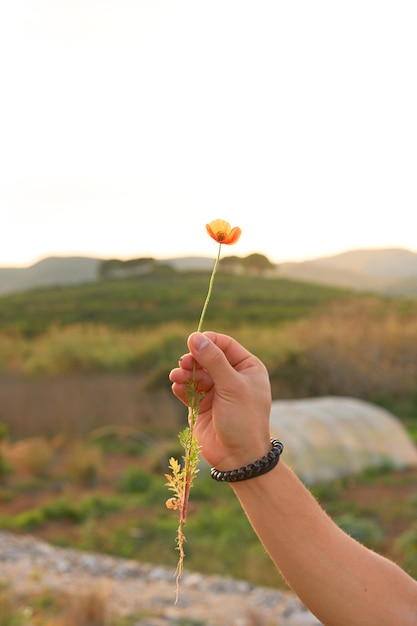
330, 437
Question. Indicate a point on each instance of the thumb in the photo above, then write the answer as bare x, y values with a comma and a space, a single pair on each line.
211, 357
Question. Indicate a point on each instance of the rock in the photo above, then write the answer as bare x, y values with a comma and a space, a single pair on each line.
128, 587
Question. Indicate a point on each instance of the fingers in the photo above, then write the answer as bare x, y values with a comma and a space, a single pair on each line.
222, 356
218, 355
214, 359
186, 362
200, 343
235, 353
181, 376
180, 392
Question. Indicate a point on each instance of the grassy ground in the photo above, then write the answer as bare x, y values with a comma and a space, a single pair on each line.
109, 495
87, 421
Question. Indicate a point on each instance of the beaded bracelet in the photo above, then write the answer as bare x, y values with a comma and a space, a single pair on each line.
262, 466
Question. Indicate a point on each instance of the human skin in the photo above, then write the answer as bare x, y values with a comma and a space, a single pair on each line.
341, 581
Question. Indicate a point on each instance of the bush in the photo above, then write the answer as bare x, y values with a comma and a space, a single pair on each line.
34, 455
406, 546
4, 467
134, 479
364, 530
84, 463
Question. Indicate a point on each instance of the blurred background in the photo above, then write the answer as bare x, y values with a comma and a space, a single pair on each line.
126, 127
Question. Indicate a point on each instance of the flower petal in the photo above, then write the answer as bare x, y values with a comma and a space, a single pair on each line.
222, 232
233, 236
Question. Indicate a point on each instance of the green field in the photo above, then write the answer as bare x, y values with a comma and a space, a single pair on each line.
157, 299
86, 410
303, 332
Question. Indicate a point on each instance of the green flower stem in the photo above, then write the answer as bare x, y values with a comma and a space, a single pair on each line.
192, 400
210, 289
189, 442
194, 397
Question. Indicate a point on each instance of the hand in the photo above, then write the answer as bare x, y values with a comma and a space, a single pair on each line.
232, 427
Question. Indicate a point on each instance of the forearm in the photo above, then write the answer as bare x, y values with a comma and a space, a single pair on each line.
339, 580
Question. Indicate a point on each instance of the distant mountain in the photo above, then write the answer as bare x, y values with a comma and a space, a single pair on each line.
391, 271
50, 272
387, 271
385, 263
61, 271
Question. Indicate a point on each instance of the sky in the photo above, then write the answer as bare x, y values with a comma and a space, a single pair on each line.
127, 125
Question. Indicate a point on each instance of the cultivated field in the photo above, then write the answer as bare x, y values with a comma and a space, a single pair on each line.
88, 421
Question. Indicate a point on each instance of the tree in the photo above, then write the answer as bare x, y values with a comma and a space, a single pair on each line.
257, 262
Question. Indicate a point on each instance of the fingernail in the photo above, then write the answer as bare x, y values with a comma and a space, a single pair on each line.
200, 341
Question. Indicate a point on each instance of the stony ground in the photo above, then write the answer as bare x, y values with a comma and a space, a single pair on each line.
30, 565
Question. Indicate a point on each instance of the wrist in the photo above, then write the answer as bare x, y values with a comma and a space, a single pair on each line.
259, 467
244, 455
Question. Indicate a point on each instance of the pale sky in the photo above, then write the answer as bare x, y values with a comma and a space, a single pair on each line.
127, 125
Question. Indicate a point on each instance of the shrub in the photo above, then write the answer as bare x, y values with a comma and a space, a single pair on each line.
84, 463
33, 455
28, 519
4, 467
134, 479
406, 547
364, 530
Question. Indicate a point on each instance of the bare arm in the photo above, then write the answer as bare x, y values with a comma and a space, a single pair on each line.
339, 580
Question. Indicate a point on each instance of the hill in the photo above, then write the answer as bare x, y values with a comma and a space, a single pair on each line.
49, 272
159, 298
385, 271
63, 271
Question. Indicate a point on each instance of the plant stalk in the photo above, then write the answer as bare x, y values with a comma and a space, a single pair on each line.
194, 397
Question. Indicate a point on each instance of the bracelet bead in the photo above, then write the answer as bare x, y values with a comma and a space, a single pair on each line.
257, 468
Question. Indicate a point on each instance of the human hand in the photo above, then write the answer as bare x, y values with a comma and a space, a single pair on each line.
232, 428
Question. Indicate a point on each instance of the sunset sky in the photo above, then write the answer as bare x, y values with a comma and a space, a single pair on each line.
126, 125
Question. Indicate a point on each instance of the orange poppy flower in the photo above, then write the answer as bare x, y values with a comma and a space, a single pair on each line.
222, 232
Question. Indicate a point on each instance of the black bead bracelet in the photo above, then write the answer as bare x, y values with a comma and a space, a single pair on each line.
262, 466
